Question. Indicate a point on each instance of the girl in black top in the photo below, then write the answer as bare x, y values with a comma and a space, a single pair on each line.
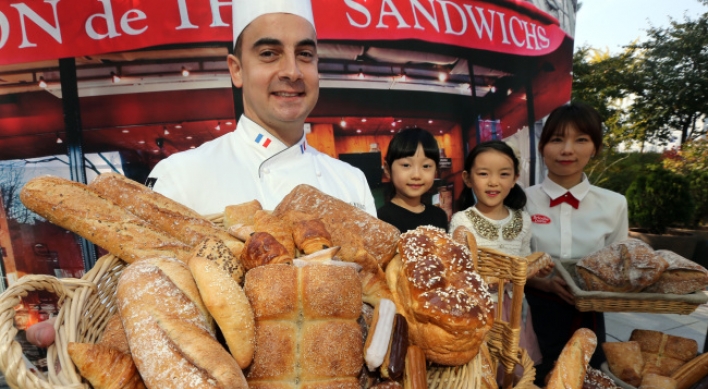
411, 166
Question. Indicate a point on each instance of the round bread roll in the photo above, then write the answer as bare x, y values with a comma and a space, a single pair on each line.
446, 303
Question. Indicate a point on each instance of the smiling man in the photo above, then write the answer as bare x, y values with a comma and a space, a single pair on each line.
275, 63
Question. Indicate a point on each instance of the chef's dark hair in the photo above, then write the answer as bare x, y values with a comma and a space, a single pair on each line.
516, 198
405, 143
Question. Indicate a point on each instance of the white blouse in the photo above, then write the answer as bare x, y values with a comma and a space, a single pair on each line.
568, 233
491, 234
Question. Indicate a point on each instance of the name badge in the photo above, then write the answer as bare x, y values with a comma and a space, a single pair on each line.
540, 219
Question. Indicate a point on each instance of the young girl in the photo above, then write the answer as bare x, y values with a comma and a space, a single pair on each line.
570, 219
492, 211
411, 165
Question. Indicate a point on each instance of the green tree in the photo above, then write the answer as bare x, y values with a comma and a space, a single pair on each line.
671, 92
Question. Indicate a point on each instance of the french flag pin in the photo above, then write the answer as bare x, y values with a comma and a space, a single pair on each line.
303, 147
262, 140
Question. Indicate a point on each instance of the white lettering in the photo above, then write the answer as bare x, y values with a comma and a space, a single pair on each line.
25, 11
107, 15
543, 40
216, 13
531, 35
485, 25
433, 19
4, 29
126, 19
446, 15
392, 11
358, 7
518, 43
505, 39
184, 16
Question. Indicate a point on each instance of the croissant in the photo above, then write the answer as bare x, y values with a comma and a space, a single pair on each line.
104, 367
261, 248
311, 235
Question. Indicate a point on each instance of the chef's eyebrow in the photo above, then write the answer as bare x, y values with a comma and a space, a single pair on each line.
276, 42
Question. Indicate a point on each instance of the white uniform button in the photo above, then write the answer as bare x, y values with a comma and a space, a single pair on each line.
266, 171
319, 174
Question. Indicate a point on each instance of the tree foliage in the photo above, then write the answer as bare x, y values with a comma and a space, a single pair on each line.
651, 88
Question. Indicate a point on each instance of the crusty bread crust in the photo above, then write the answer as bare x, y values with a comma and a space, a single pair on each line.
78, 208
571, 366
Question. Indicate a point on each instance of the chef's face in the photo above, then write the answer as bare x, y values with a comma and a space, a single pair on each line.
277, 70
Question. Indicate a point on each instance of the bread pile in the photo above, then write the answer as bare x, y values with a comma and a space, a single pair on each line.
186, 319
652, 359
633, 266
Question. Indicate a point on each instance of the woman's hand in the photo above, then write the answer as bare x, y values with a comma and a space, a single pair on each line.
554, 284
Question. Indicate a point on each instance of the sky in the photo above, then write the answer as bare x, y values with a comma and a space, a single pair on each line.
614, 23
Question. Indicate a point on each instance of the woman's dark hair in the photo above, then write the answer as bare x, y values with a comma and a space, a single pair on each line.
405, 143
516, 198
582, 116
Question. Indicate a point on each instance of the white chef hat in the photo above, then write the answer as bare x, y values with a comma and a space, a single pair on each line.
246, 11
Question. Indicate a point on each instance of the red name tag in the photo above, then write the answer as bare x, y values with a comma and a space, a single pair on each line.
540, 219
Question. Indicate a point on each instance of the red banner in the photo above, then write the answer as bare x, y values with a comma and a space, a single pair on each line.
34, 30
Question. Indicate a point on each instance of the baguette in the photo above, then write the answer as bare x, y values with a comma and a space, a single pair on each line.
165, 214
224, 298
78, 208
170, 336
692, 372
571, 367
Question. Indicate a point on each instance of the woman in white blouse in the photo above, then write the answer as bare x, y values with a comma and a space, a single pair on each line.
569, 219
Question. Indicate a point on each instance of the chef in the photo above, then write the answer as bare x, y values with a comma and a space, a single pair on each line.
275, 62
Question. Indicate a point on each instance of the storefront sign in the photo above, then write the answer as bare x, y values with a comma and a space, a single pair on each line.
34, 30
445, 163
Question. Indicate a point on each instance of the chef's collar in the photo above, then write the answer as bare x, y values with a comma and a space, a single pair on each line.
260, 140
554, 190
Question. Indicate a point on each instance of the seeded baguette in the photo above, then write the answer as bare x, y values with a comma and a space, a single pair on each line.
175, 219
78, 208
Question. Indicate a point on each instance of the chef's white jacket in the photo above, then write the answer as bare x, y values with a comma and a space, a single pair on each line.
249, 164
568, 233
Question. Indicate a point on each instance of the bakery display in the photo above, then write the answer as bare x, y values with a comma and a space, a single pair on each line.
680, 277
446, 303
184, 320
663, 353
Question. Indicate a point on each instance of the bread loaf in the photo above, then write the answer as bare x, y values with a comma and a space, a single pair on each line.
281, 229
664, 353
241, 213
446, 303
691, 372
627, 266
104, 367
571, 366
170, 336
625, 361
79, 209
680, 277
306, 326
224, 299
655, 381
350, 227
261, 249
114, 335
165, 214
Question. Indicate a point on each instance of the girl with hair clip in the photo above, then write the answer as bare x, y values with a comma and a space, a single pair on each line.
411, 165
492, 209
570, 219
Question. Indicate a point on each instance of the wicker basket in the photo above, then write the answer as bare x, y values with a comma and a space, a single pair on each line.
587, 301
86, 304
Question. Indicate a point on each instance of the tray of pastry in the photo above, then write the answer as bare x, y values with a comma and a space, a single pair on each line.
603, 301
